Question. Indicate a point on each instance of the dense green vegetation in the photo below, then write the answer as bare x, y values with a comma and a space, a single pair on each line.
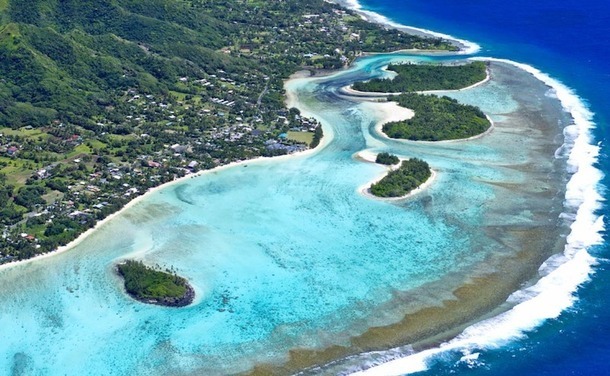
436, 118
411, 174
386, 159
421, 77
59, 59
152, 285
317, 137
101, 100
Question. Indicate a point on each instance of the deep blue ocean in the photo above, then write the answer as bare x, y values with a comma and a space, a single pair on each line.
289, 254
569, 40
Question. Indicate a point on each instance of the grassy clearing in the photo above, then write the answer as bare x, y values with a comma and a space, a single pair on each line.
52, 196
179, 96
305, 137
15, 170
22, 132
97, 144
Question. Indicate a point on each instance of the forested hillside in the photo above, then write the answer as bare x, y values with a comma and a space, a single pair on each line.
102, 99
61, 58
64, 59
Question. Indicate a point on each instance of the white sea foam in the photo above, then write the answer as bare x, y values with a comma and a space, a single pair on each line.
468, 48
561, 275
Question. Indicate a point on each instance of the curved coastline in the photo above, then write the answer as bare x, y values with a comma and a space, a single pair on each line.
393, 112
366, 188
63, 249
476, 84
182, 301
576, 263
560, 275
466, 47
290, 102
480, 296
349, 90
475, 137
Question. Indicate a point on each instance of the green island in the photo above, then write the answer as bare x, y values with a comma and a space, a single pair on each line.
422, 77
411, 174
436, 119
386, 159
101, 100
153, 286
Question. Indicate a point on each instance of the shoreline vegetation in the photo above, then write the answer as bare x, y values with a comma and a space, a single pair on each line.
428, 118
349, 90
365, 190
154, 286
178, 173
472, 290
386, 159
436, 119
463, 46
147, 111
99, 223
370, 157
426, 77
411, 174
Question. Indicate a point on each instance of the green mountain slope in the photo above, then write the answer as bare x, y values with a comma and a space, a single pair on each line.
66, 55
102, 99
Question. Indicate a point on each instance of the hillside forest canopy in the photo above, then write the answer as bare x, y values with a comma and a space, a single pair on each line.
101, 100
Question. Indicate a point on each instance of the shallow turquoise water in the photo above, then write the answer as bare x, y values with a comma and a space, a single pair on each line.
287, 253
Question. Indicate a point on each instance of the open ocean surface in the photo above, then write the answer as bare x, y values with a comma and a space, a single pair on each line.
569, 41
287, 254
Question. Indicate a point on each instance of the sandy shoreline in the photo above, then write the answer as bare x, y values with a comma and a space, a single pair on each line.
391, 112
475, 290
465, 47
291, 100
371, 94
148, 193
484, 294
366, 191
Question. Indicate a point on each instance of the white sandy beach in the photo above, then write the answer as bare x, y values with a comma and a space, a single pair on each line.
365, 156
351, 91
365, 189
393, 112
466, 47
290, 102
389, 111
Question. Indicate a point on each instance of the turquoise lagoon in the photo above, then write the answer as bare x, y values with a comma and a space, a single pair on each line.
287, 254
